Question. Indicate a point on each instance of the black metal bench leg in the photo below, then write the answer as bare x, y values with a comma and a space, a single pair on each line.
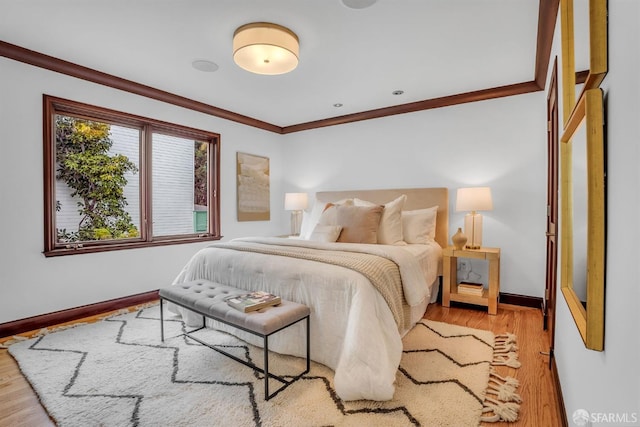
266, 368
161, 322
308, 344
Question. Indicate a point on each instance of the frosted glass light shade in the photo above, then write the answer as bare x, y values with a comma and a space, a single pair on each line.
473, 230
296, 203
266, 48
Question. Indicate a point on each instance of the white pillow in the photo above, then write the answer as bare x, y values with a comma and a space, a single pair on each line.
310, 219
390, 228
325, 233
419, 226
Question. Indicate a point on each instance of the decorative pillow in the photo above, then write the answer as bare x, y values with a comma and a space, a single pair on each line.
310, 220
329, 214
419, 226
359, 223
390, 229
325, 233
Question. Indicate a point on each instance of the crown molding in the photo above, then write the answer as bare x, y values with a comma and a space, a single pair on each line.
51, 63
427, 104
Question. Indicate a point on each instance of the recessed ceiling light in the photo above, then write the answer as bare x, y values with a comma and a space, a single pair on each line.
337, 105
397, 92
204, 65
358, 4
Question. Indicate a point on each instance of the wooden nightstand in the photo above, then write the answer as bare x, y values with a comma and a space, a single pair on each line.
450, 293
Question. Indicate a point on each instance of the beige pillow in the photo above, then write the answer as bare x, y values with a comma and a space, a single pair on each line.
390, 228
328, 216
325, 233
359, 223
419, 226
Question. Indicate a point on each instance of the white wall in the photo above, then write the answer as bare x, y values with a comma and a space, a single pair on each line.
31, 284
608, 383
500, 143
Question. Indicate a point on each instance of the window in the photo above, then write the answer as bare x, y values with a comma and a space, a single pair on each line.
115, 181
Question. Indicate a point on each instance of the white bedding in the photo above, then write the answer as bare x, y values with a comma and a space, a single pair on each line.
352, 328
429, 257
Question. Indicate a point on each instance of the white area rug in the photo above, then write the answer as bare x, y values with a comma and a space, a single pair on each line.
117, 372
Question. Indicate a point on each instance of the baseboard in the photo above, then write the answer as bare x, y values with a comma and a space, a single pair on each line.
62, 316
562, 412
522, 300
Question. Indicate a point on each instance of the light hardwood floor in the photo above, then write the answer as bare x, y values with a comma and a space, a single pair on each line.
19, 406
537, 389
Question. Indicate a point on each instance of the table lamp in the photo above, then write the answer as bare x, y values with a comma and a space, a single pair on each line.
473, 199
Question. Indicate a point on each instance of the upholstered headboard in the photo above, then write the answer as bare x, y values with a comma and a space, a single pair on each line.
417, 198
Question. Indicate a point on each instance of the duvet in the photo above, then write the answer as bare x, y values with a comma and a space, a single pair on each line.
353, 329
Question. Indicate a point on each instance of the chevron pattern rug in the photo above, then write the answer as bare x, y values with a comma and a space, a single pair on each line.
117, 372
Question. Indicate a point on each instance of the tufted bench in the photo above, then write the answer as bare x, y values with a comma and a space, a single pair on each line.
208, 299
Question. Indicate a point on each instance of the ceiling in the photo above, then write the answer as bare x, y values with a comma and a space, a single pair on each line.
354, 57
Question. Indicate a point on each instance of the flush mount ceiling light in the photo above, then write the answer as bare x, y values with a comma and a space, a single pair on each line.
358, 4
265, 48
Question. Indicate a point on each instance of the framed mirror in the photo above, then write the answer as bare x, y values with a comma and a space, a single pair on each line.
583, 217
584, 45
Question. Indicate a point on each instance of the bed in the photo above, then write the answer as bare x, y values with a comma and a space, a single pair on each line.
352, 288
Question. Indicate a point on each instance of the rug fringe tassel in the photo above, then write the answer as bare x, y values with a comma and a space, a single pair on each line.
504, 351
505, 342
501, 411
506, 337
505, 347
510, 359
509, 380
503, 388
502, 402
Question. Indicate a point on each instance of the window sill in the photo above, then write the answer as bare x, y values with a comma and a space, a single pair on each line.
128, 245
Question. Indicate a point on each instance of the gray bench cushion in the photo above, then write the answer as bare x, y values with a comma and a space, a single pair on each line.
207, 298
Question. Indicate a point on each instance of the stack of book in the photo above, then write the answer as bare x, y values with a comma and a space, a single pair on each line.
253, 301
470, 288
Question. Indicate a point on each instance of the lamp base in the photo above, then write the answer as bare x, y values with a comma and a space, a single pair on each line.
296, 222
473, 230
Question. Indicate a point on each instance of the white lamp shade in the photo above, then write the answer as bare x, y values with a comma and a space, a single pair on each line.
265, 48
295, 201
474, 199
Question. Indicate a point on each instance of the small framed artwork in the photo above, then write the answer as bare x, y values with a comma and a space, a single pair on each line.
252, 187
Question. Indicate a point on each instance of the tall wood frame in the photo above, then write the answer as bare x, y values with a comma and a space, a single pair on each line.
589, 319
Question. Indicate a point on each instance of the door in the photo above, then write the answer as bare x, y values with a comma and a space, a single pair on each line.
552, 209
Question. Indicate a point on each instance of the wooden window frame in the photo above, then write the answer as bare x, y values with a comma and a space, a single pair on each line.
53, 105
